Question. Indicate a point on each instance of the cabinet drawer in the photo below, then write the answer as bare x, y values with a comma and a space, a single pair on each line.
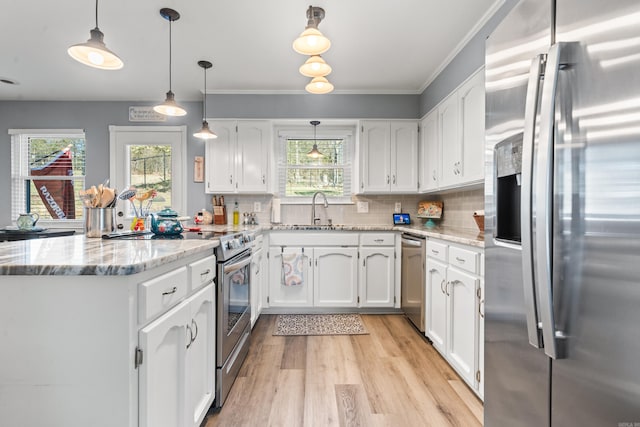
377, 239
436, 250
202, 272
159, 294
464, 259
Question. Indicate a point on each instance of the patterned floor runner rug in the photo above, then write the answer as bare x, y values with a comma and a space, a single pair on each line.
319, 324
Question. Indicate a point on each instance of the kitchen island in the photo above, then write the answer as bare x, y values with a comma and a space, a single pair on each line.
107, 332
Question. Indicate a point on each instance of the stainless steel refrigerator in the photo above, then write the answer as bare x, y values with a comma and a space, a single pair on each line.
562, 215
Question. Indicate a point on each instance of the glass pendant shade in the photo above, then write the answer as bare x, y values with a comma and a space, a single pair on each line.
205, 132
311, 42
170, 107
319, 85
315, 66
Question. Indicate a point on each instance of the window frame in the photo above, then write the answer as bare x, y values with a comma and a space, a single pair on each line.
303, 131
19, 139
176, 136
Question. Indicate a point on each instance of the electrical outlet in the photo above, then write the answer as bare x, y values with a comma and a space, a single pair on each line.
398, 207
257, 207
363, 207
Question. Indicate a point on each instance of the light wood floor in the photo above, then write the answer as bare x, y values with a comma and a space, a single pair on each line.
391, 377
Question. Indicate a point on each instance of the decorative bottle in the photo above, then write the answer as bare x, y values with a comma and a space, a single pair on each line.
236, 214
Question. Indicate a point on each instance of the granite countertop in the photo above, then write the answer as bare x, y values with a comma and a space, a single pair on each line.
80, 255
464, 236
456, 235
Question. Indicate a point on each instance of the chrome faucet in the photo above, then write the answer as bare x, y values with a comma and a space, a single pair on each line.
315, 220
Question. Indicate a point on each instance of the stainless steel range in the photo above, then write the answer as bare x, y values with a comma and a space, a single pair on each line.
233, 310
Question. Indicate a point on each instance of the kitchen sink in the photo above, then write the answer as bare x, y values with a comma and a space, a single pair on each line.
309, 227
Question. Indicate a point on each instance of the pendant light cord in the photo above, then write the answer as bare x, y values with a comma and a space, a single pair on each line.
170, 20
204, 96
96, 13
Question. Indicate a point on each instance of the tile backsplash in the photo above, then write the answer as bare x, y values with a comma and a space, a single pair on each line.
458, 209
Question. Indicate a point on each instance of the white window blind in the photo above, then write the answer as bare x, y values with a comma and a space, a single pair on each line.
300, 176
47, 172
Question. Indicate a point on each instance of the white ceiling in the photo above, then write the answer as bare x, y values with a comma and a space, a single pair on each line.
378, 46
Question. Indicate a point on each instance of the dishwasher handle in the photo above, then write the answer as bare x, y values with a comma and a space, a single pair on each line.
412, 242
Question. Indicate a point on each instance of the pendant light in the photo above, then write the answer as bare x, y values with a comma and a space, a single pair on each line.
170, 107
315, 153
205, 132
319, 85
311, 40
315, 66
94, 52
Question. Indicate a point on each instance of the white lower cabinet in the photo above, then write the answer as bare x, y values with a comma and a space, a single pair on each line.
143, 343
436, 304
328, 277
377, 270
452, 307
335, 277
162, 375
337, 269
176, 376
461, 292
282, 295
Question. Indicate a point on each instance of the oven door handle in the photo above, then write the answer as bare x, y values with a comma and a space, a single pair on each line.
236, 266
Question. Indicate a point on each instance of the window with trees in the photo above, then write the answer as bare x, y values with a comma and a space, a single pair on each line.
47, 172
300, 175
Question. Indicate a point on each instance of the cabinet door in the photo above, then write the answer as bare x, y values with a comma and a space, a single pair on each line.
281, 295
377, 277
220, 158
252, 156
200, 356
436, 304
335, 277
471, 101
256, 285
404, 157
461, 288
448, 121
161, 388
375, 157
430, 153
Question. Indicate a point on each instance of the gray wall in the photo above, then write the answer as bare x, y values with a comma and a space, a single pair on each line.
95, 118
470, 59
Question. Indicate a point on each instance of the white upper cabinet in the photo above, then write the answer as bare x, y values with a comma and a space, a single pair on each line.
429, 153
449, 125
388, 157
471, 103
452, 146
237, 161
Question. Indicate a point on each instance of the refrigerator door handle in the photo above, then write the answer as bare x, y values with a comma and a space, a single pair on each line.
554, 340
531, 111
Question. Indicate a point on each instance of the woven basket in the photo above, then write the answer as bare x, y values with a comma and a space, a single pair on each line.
479, 221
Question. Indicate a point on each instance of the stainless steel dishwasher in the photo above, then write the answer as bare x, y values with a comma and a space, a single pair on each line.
413, 279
